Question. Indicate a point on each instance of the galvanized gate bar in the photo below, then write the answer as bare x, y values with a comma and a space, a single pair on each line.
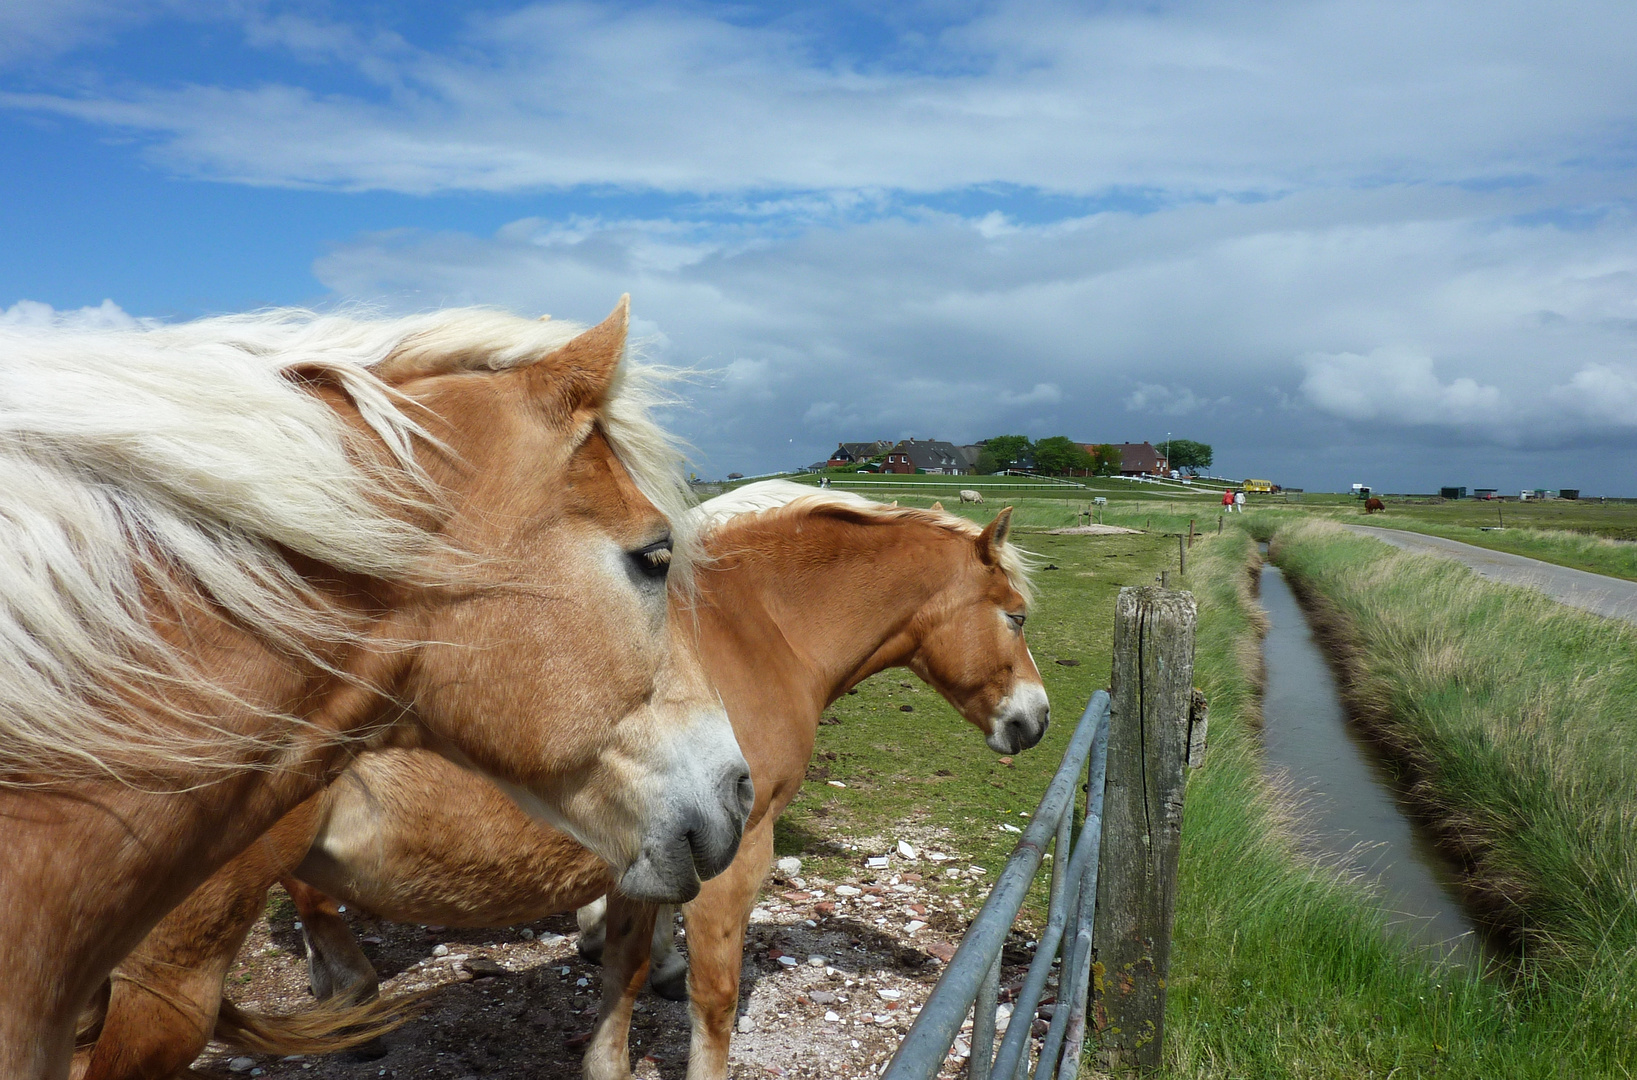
1079, 875
924, 1049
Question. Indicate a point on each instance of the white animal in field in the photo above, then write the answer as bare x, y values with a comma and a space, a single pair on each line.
970, 496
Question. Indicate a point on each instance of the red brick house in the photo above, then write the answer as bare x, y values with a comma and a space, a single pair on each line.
1137, 459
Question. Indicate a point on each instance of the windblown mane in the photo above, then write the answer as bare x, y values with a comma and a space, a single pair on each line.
768, 497
130, 458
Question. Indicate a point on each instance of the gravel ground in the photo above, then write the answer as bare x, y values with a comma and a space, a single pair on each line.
834, 974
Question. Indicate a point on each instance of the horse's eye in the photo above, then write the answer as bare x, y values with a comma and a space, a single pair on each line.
1017, 618
654, 560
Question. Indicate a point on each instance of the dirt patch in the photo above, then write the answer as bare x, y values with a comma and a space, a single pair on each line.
835, 973
1091, 530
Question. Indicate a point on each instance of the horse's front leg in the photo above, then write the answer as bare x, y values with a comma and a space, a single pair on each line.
716, 920
667, 970
629, 928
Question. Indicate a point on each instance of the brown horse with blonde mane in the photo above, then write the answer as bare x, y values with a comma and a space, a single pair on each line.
801, 596
234, 553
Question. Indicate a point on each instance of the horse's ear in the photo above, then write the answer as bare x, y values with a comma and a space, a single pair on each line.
937, 506
993, 537
577, 377
895, 504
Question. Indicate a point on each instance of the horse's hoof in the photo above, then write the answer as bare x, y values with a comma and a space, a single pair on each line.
591, 954
672, 985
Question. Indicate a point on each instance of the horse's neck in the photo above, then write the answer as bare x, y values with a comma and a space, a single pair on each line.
850, 620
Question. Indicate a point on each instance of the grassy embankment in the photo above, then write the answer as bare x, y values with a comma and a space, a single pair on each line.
1281, 967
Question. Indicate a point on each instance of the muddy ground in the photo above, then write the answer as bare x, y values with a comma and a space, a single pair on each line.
883, 935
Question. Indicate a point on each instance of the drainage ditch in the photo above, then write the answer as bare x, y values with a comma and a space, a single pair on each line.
1351, 811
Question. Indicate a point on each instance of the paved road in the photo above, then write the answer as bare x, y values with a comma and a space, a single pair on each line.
1613, 597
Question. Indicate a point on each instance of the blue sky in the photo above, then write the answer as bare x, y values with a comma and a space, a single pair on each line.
1380, 242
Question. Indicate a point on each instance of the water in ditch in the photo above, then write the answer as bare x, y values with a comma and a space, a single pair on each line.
1346, 792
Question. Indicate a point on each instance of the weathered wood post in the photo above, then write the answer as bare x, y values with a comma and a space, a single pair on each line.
1148, 754
1182, 556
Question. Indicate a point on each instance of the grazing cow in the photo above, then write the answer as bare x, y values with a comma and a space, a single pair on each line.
970, 496
1372, 504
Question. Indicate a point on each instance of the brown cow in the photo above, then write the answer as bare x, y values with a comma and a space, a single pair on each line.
1372, 504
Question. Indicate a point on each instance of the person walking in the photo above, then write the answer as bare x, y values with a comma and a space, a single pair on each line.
1239, 501
1227, 502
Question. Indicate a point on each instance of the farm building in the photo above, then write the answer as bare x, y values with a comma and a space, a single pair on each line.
857, 453
1137, 459
931, 456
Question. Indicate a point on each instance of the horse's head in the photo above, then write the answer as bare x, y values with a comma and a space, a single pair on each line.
970, 646
548, 661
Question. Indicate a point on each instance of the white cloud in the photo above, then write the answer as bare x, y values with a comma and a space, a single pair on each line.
1367, 311
1604, 394
1040, 394
36, 30
1168, 400
105, 316
1396, 387
1187, 100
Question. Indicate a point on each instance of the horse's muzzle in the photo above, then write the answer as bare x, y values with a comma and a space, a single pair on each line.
695, 836
1022, 719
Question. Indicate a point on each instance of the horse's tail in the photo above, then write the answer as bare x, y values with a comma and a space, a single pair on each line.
323, 1028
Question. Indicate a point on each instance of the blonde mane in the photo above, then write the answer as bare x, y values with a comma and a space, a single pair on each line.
132, 458
767, 497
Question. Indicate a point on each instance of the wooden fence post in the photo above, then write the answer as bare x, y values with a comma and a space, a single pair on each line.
1148, 752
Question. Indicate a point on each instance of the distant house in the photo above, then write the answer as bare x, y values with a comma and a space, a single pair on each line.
857, 453
929, 456
1137, 459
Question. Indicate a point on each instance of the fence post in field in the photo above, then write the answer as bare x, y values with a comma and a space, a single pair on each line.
1148, 755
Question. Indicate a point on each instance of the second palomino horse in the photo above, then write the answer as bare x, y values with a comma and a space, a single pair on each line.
234, 552
803, 595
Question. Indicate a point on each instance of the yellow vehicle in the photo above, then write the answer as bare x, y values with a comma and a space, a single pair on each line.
1265, 486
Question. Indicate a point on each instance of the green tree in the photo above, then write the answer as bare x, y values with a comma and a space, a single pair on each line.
1009, 450
986, 463
1187, 454
1058, 454
1106, 459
